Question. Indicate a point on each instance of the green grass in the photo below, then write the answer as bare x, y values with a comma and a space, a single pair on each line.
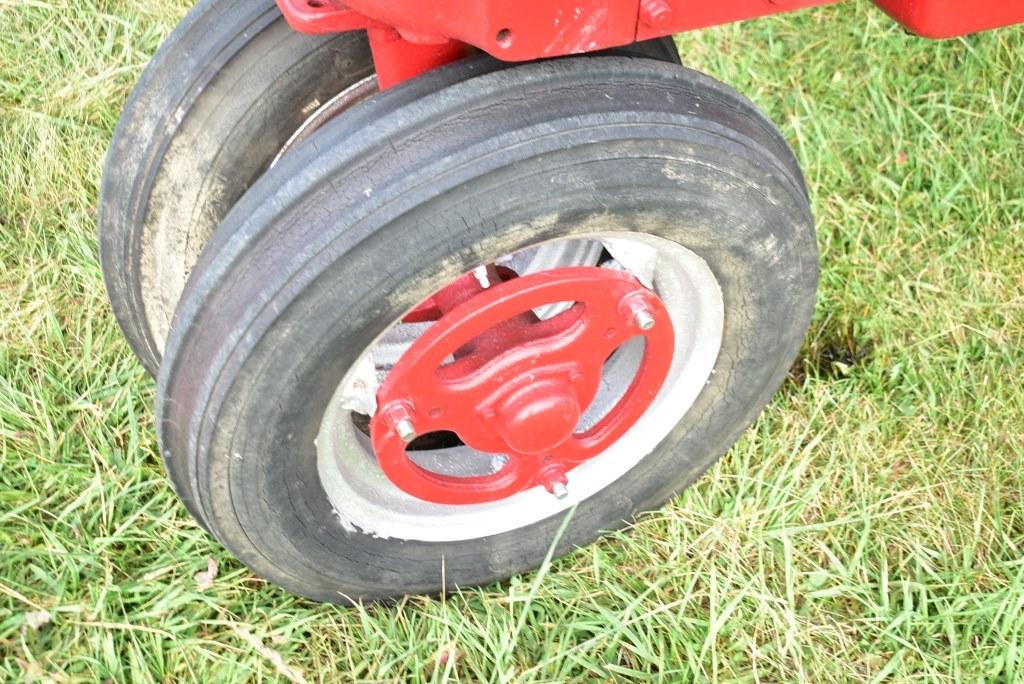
868, 528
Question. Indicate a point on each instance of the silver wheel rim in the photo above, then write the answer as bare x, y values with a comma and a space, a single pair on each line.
343, 101
365, 499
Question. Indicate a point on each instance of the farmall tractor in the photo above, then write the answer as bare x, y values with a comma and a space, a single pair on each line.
432, 288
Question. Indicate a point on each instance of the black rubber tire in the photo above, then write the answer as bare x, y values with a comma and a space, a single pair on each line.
359, 223
212, 110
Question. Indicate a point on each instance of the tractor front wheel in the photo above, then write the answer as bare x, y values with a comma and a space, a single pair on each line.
374, 386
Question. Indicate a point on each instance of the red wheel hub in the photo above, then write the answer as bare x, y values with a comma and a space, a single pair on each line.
516, 385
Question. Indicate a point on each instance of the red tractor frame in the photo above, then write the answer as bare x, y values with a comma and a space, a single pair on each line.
409, 38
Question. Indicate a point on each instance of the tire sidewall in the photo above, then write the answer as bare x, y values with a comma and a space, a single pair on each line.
210, 112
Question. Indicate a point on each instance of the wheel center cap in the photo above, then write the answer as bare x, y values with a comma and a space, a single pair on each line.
513, 385
538, 418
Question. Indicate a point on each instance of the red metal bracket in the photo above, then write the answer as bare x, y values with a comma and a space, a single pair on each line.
398, 54
398, 59
324, 16
513, 30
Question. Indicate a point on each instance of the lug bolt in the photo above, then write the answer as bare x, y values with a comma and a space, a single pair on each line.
406, 430
634, 306
482, 277
553, 479
644, 320
399, 415
656, 13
